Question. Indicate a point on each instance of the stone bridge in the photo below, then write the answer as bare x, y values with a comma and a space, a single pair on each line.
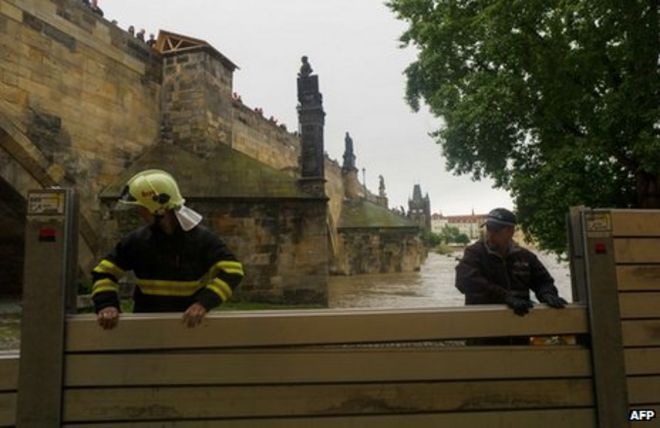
85, 104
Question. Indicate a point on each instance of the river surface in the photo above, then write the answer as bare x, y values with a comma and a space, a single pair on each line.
432, 286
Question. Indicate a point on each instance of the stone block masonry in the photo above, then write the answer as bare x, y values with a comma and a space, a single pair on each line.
81, 96
379, 251
197, 106
265, 141
282, 245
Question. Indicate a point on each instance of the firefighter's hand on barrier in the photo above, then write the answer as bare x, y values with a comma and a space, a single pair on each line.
108, 317
553, 300
194, 315
520, 306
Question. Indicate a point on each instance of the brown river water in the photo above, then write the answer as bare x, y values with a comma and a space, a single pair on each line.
432, 286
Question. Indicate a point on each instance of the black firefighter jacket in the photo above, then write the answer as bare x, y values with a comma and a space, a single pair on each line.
173, 271
485, 277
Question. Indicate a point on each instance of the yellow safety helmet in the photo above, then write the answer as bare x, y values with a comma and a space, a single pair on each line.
154, 189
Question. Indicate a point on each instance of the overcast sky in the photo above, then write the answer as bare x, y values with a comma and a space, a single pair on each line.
353, 46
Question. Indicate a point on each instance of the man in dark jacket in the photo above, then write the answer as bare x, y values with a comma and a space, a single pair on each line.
496, 270
180, 265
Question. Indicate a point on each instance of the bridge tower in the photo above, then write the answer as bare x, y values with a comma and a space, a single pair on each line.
419, 208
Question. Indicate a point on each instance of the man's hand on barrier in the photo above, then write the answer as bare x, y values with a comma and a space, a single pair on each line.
108, 317
553, 300
520, 306
194, 315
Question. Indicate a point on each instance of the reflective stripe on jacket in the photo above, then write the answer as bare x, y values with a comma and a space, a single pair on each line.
173, 271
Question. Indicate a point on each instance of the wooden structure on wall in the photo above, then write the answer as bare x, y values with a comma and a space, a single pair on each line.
381, 368
169, 43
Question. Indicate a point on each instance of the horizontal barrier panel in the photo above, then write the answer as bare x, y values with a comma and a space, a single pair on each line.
7, 409
641, 333
644, 389
638, 278
637, 250
315, 366
161, 403
8, 371
639, 305
565, 418
635, 222
305, 327
641, 361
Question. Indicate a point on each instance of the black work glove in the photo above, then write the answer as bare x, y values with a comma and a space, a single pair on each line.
553, 300
519, 305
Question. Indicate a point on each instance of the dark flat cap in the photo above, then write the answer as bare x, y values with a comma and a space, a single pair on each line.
500, 217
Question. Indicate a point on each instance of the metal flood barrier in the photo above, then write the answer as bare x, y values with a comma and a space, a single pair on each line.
365, 368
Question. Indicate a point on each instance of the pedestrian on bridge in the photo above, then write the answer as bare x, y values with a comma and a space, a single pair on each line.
180, 265
497, 270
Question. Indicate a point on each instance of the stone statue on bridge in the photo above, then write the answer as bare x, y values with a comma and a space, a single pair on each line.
381, 187
305, 68
349, 142
349, 155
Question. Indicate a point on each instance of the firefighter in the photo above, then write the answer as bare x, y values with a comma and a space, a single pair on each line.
180, 265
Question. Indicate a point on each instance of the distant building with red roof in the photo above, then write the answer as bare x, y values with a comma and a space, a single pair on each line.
467, 224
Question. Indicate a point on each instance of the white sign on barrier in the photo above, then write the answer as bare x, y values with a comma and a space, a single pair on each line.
46, 203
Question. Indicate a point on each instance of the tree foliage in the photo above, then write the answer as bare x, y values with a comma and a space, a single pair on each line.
556, 100
451, 234
431, 239
462, 238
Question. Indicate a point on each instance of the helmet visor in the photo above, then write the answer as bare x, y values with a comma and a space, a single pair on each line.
188, 218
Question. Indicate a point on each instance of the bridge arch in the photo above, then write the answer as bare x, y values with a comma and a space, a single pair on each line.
12, 239
23, 167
